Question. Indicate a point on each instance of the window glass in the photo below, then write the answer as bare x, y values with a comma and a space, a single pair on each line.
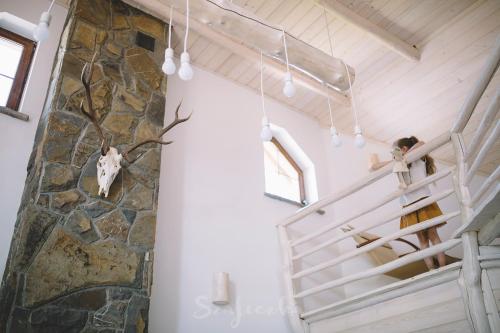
282, 177
5, 85
11, 55
16, 53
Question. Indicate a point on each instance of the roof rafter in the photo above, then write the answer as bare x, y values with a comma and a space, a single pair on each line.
388, 39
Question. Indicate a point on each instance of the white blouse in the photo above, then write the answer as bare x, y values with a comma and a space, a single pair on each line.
417, 172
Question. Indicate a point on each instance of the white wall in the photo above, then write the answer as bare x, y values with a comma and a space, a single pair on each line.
213, 215
16, 136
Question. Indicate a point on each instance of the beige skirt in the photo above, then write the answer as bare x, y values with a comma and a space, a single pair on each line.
423, 214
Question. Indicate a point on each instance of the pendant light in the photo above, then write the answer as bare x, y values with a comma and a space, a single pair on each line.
288, 88
335, 138
265, 134
169, 65
41, 31
186, 71
359, 140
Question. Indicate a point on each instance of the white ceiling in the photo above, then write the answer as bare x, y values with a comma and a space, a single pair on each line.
395, 96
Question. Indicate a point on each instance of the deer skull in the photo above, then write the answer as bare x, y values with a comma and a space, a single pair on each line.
109, 164
108, 167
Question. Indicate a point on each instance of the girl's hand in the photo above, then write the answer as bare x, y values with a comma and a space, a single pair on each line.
373, 160
375, 163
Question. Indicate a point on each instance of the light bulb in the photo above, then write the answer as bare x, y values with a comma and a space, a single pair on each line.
336, 141
266, 134
41, 31
359, 140
169, 65
289, 89
185, 72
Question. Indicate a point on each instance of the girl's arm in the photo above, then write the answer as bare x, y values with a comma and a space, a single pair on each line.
415, 146
375, 163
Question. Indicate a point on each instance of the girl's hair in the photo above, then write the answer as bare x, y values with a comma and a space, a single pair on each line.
430, 167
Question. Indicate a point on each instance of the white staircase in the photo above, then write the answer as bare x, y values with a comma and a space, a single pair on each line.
461, 297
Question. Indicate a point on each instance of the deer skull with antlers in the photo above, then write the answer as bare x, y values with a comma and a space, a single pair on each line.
109, 163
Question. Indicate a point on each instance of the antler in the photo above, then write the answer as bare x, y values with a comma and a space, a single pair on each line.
86, 78
157, 139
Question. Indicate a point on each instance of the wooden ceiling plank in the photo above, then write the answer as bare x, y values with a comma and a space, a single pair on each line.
233, 61
400, 73
219, 60
389, 40
459, 55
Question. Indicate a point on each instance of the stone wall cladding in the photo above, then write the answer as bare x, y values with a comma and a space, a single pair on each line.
80, 262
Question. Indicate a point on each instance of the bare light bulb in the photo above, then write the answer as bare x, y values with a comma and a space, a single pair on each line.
336, 141
186, 71
266, 134
169, 65
41, 31
289, 89
359, 140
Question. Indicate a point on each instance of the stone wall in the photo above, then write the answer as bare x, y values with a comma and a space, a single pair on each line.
80, 262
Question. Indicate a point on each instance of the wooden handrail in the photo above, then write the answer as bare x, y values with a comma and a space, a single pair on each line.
407, 210
394, 195
490, 141
486, 121
412, 257
365, 181
486, 185
402, 240
354, 253
475, 95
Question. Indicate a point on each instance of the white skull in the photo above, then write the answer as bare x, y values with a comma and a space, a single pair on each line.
108, 167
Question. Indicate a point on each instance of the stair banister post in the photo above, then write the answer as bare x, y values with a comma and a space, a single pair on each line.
293, 309
459, 174
470, 277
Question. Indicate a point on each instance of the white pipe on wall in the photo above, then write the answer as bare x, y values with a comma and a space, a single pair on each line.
17, 25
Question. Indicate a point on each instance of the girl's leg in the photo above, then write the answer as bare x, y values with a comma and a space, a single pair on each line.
424, 243
434, 238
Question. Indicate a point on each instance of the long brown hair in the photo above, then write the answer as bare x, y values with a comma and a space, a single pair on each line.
430, 167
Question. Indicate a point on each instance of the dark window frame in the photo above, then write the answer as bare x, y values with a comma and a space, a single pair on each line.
23, 68
299, 172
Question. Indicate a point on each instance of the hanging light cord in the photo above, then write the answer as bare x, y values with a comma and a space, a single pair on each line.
187, 26
355, 111
328, 31
286, 50
51, 4
262, 84
352, 95
170, 26
331, 51
329, 105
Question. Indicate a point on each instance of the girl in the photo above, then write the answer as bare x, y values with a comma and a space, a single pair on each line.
418, 171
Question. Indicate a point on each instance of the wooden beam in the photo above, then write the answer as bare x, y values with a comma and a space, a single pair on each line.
487, 73
161, 11
383, 36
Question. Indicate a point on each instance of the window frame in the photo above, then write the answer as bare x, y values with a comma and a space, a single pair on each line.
299, 172
23, 68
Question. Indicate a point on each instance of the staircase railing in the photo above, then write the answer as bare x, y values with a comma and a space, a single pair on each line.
468, 160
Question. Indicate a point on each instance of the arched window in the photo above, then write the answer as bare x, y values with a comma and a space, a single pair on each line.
284, 177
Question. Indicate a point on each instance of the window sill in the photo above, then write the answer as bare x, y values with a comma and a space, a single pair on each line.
14, 114
295, 203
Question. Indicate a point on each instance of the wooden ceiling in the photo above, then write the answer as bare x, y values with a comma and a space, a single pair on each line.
395, 96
